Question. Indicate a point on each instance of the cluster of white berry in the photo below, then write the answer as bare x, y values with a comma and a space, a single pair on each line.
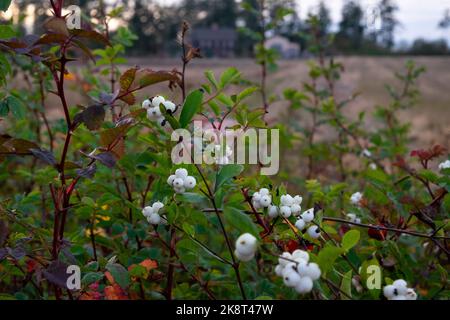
356, 198
154, 111
444, 165
152, 213
304, 221
399, 290
261, 199
181, 181
297, 271
290, 205
246, 246
353, 218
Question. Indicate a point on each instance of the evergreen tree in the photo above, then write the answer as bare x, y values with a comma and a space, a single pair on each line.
445, 22
389, 23
351, 28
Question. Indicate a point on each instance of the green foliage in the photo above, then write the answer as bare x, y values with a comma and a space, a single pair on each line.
74, 188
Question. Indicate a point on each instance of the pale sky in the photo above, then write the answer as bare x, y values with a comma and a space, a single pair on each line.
419, 18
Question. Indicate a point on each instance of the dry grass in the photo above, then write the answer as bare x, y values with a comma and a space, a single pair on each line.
366, 75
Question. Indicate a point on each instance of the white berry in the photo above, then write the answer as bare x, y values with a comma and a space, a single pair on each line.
171, 179
305, 285
285, 211
273, 211
313, 271
291, 279
157, 206
246, 244
181, 173
190, 182
154, 218
178, 183
147, 211
146, 104
300, 224
300, 254
308, 215
265, 201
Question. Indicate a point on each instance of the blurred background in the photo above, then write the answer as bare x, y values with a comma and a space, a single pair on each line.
372, 38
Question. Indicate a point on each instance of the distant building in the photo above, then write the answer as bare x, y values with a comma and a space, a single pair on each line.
214, 41
286, 48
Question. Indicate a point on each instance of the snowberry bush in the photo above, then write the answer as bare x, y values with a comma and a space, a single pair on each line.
97, 189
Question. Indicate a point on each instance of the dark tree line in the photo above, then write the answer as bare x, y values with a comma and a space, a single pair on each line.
359, 31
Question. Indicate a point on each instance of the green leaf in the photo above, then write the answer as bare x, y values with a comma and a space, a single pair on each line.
120, 274
327, 257
240, 221
91, 277
17, 107
350, 239
4, 109
191, 106
6, 31
226, 173
211, 78
246, 93
346, 286
228, 76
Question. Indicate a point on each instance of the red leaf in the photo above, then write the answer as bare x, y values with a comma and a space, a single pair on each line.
115, 292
